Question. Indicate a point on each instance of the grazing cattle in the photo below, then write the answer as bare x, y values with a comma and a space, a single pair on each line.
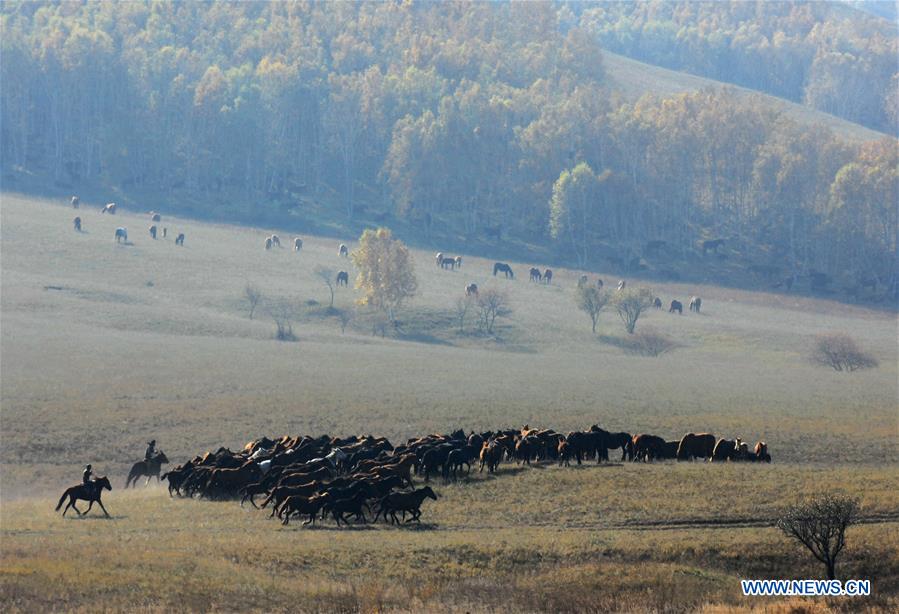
505, 268
268, 243
343, 278
657, 303
448, 262
297, 244
276, 240
439, 258
695, 303
582, 281
121, 234
711, 245
647, 447
153, 231
155, 217
471, 290
179, 240
109, 208
342, 250
725, 449
676, 306
621, 284
693, 446
76, 202
548, 276
458, 262
535, 274
77, 223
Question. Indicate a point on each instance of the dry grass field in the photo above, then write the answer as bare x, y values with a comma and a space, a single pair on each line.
104, 346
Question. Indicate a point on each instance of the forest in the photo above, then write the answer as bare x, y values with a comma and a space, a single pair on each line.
476, 120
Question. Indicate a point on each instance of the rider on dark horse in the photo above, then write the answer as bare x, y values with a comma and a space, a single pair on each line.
87, 476
151, 450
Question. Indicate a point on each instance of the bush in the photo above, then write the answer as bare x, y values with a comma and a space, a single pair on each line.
284, 329
646, 343
840, 352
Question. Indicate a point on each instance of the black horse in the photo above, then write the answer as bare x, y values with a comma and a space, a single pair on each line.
86, 492
505, 268
149, 468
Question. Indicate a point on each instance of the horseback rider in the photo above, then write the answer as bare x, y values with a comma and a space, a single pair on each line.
151, 450
87, 477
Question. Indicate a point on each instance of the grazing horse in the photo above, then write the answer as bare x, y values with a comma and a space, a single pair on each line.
657, 303
471, 290
647, 447
505, 268
268, 243
599, 284
155, 217
86, 492
458, 262
693, 446
448, 262
179, 240
276, 240
623, 441
342, 250
676, 306
761, 452
405, 502
536, 276
548, 276
77, 223
711, 245
621, 284
343, 278
695, 303
153, 231
297, 244
121, 234
149, 468
725, 449
76, 202
109, 208
439, 258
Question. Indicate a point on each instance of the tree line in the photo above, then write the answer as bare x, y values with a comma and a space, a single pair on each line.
473, 120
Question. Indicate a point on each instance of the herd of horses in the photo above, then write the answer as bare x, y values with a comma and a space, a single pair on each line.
366, 478
121, 233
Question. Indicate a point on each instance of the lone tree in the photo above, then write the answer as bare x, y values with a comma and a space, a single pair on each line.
820, 526
591, 301
386, 274
327, 276
463, 305
254, 296
630, 303
840, 352
491, 303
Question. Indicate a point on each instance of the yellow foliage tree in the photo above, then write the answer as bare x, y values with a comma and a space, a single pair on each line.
386, 273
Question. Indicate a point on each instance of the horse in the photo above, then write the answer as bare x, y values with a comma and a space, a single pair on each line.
155, 217
471, 290
343, 278
599, 284
153, 231
268, 243
109, 208
676, 306
276, 240
297, 244
121, 234
711, 245
622, 284
695, 303
693, 446
405, 502
342, 250
448, 262
77, 223
86, 492
657, 303
179, 240
548, 276
149, 468
76, 202
439, 258
620, 440
458, 262
536, 276
505, 268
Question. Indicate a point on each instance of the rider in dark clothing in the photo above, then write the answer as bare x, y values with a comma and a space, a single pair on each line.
86, 476
151, 450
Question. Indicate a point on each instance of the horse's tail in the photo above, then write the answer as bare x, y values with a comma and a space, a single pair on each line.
62, 498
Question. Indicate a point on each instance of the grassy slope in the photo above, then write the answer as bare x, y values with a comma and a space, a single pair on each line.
634, 79
91, 371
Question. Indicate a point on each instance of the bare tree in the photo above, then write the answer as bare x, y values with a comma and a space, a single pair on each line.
282, 314
492, 303
463, 306
327, 276
820, 525
345, 316
591, 301
253, 296
630, 303
840, 352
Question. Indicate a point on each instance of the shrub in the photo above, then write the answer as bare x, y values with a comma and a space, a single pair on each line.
820, 525
630, 303
840, 352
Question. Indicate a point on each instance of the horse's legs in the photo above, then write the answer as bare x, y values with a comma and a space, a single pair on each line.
90, 504
100, 503
71, 503
75, 507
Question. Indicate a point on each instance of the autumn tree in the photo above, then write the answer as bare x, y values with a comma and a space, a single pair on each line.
630, 303
591, 301
386, 272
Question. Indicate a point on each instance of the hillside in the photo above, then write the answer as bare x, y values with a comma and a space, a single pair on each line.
634, 79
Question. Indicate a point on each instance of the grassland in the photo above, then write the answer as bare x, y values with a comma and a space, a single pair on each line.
103, 346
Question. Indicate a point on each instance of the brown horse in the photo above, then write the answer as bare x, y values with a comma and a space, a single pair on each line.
693, 446
149, 468
471, 290
548, 276
86, 492
536, 275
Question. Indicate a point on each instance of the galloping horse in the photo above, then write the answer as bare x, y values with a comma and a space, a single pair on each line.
86, 492
149, 468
